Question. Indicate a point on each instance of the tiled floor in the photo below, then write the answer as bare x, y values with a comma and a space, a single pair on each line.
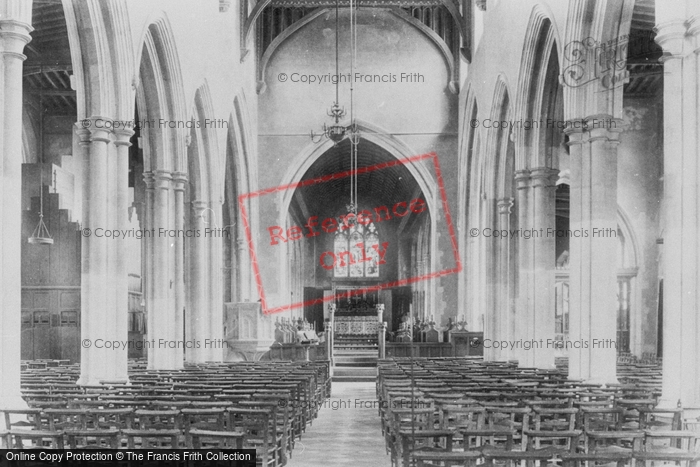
347, 431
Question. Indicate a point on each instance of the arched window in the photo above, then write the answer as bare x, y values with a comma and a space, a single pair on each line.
357, 251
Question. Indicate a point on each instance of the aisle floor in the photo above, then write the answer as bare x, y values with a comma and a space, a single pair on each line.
349, 435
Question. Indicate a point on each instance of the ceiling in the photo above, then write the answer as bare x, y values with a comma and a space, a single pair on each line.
643, 53
48, 66
378, 187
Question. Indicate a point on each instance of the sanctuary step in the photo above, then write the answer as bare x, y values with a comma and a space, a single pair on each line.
355, 365
355, 358
354, 374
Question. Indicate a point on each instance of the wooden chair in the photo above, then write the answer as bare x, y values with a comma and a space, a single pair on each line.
438, 459
35, 439
411, 441
691, 419
600, 418
206, 439
670, 442
606, 442
255, 425
660, 419
510, 419
157, 420
553, 430
202, 419
22, 418
413, 429
148, 439
517, 458
279, 424
583, 460
66, 419
93, 439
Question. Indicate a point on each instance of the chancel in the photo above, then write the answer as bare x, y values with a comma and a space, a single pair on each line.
352, 232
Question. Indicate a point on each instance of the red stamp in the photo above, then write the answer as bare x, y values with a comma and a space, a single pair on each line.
352, 245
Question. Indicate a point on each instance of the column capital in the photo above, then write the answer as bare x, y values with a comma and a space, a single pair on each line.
14, 35
544, 177
179, 180
149, 179
83, 134
162, 179
522, 178
604, 128
505, 205
199, 207
575, 128
123, 136
94, 129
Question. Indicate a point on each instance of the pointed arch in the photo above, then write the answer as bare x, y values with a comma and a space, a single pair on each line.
590, 23
301, 163
237, 181
497, 141
382, 138
540, 47
210, 172
161, 97
102, 60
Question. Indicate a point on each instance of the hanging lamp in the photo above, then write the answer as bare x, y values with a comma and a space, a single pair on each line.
41, 235
337, 132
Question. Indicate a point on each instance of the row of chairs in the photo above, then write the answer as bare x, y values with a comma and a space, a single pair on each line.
463, 405
262, 405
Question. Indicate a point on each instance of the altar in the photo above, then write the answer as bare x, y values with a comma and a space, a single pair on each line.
356, 314
356, 324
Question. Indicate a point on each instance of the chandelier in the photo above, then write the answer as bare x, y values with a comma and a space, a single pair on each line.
337, 132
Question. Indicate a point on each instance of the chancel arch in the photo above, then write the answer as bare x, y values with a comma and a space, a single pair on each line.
396, 149
402, 245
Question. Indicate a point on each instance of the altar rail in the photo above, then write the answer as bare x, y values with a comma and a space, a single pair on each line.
464, 344
298, 352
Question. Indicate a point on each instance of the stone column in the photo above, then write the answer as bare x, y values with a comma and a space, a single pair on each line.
178, 245
593, 309
243, 267
196, 321
165, 354
100, 313
505, 274
489, 278
14, 34
215, 300
147, 254
681, 252
381, 329
118, 256
331, 334
522, 317
544, 262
